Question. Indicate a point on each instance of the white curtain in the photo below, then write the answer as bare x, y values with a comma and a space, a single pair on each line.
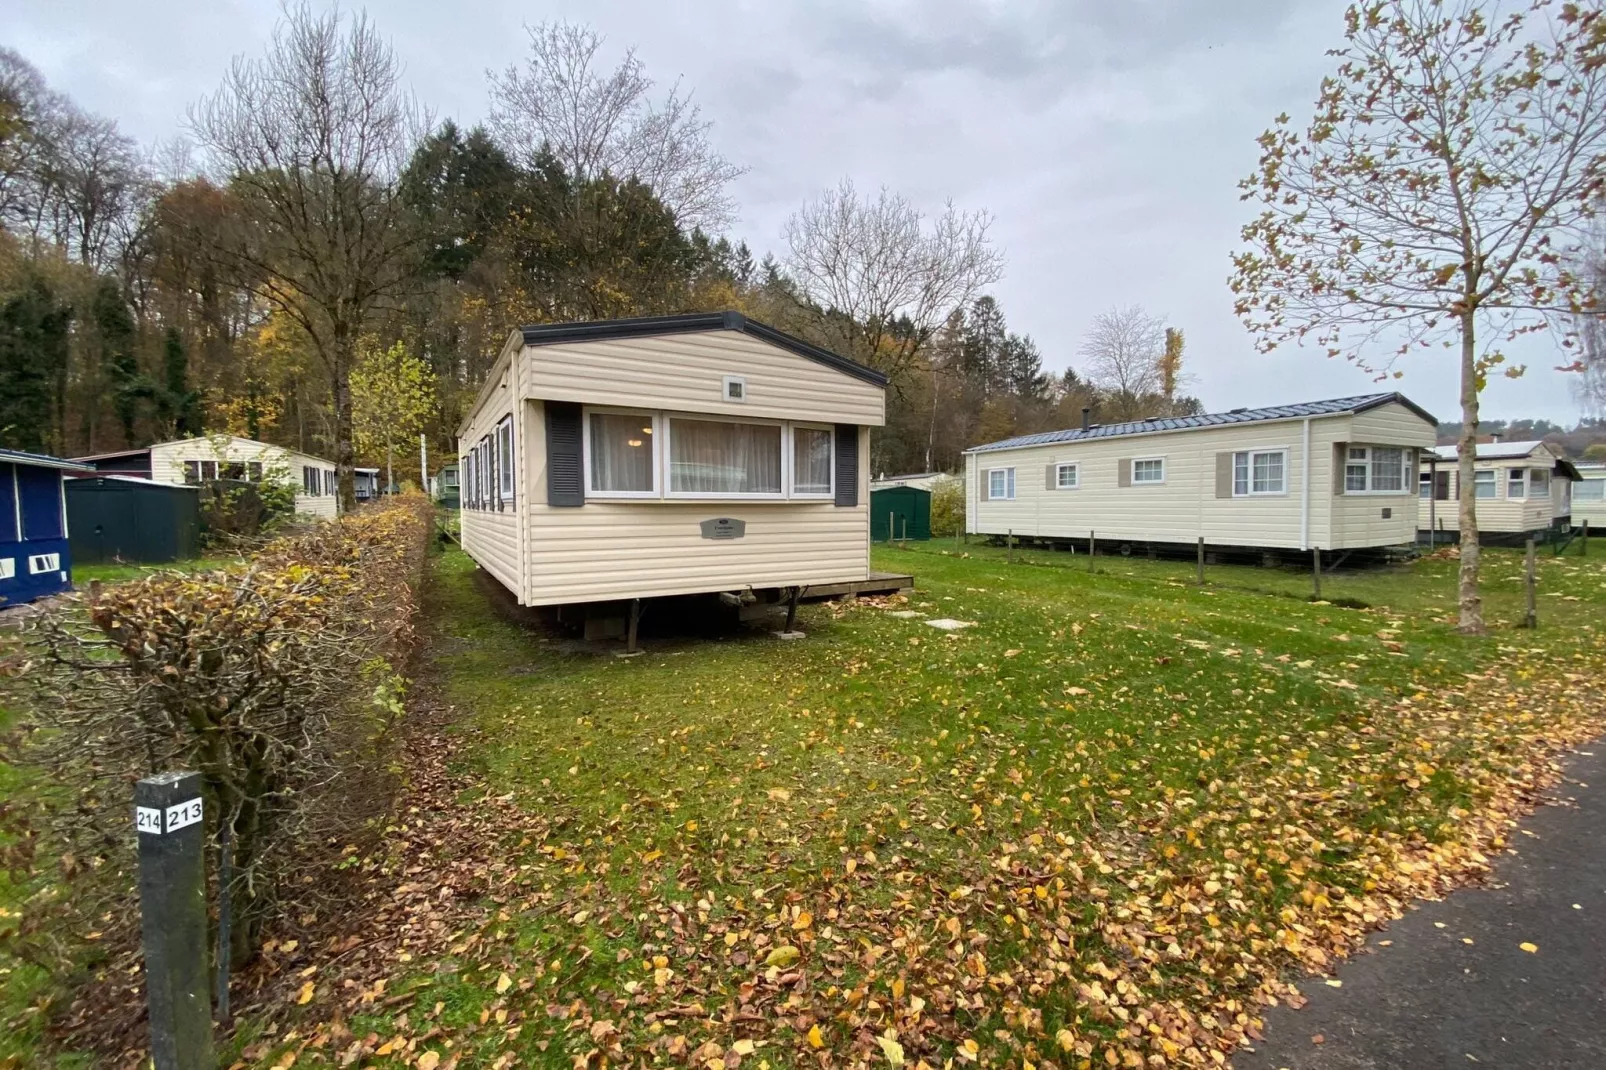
710, 457
811, 460
621, 452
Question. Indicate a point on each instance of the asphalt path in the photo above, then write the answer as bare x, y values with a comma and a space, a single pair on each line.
1451, 984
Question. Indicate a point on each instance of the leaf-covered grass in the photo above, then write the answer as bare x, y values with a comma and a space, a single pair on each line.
1096, 828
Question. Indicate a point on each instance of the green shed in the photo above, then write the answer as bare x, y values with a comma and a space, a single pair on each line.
906, 509
119, 518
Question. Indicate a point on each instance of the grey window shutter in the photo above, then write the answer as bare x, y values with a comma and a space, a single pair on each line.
847, 464
565, 471
1224, 475
1340, 461
1051, 477
1123, 472
986, 484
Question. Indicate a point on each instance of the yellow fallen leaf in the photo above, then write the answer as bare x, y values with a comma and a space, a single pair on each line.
743, 1047
429, 1060
1066, 1039
815, 1039
779, 794
782, 956
304, 997
503, 983
289, 946
892, 1050
652, 856
803, 920
1333, 982
287, 1060
1532, 949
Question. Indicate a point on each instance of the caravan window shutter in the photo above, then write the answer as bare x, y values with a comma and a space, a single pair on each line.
565, 470
847, 464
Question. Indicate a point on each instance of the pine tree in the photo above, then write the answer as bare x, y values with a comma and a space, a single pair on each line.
33, 360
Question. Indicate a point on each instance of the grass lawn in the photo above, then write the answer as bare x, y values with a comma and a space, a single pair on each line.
1094, 829
82, 575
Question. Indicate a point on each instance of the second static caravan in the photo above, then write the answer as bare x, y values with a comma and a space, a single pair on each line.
1325, 475
621, 460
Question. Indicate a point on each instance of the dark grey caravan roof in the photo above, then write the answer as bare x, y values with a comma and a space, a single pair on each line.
1334, 407
551, 333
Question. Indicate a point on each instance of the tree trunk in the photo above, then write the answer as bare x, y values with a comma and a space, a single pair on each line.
345, 455
390, 476
1470, 601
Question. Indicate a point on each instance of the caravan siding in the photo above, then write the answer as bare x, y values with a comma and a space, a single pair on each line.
640, 549
687, 371
1374, 519
1499, 513
491, 534
167, 466
1589, 499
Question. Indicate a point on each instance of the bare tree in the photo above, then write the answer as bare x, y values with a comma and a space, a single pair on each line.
596, 121
1590, 389
1123, 352
882, 276
1455, 153
310, 140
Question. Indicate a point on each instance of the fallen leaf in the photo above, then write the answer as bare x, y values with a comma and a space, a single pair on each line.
503, 983
1532, 949
429, 1060
891, 1049
782, 956
816, 1040
304, 997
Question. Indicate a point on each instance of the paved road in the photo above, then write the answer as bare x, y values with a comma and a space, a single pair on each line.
1432, 1000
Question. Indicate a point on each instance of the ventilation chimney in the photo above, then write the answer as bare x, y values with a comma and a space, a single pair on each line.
1087, 415
1494, 439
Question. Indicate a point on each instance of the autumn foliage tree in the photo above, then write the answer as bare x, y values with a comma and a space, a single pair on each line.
393, 396
1456, 154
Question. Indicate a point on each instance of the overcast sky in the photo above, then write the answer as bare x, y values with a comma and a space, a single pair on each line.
1106, 138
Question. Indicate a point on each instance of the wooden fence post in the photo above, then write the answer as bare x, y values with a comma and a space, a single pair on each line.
1009, 543
1531, 618
1316, 569
1092, 548
172, 907
1583, 545
1201, 561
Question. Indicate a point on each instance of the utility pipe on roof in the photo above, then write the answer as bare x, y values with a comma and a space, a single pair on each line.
1304, 490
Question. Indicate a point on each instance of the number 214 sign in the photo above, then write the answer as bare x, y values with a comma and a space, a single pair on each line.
149, 819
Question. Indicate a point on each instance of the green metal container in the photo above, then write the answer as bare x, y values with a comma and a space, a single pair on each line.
133, 520
900, 513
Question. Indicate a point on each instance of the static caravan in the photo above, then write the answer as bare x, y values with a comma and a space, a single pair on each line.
35, 559
194, 461
1589, 497
629, 459
1329, 475
1521, 488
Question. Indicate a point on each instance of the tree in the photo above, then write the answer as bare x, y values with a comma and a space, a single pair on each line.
393, 393
596, 123
33, 357
310, 140
114, 326
1170, 367
1590, 389
1123, 353
463, 188
177, 406
1454, 153
882, 277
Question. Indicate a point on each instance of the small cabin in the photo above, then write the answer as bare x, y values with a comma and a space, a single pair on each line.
1522, 489
194, 461
1326, 475
1589, 497
675, 455
35, 559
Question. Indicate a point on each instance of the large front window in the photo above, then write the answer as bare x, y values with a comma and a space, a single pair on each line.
621, 453
1483, 484
811, 460
720, 458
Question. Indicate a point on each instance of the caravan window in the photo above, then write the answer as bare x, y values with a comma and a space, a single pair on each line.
1259, 472
621, 450
1377, 470
811, 461
718, 457
504, 458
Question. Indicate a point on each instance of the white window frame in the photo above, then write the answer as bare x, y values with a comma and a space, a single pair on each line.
1518, 478
1409, 463
723, 495
1249, 456
503, 438
725, 388
1075, 468
1493, 483
789, 462
1009, 485
1534, 491
1136, 482
658, 473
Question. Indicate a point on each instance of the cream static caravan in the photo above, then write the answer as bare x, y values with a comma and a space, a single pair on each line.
628, 459
1589, 497
1327, 475
208, 457
1521, 489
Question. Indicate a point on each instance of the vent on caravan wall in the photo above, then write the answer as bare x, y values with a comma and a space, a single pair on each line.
735, 388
